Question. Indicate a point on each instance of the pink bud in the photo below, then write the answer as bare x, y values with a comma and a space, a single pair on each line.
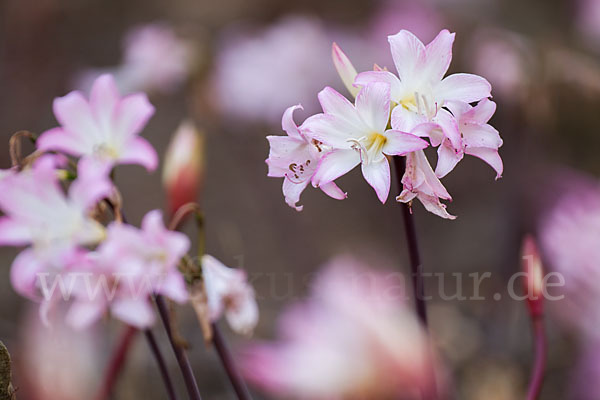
344, 68
184, 165
534, 275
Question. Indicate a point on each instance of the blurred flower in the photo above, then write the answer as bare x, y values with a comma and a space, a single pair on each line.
56, 362
359, 135
128, 267
503, 58
295, 158
38, 213
258, 74
568, 236
228, 292
183, 170
353, 338
105, 127
588, 21
155, 60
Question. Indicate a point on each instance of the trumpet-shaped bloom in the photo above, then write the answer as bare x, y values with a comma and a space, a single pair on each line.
229, 293
129, 266
38, 213
106, 127
358, 134
353, 338
295, 158
420, 182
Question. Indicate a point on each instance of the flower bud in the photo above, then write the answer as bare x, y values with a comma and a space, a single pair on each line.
184, 165
534, 275
344, 68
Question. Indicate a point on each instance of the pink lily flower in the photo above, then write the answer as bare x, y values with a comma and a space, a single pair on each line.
295, 158
420, 89
106, 127
419, 181
353, 338
38, 213
358, 134
229, 293
128, 267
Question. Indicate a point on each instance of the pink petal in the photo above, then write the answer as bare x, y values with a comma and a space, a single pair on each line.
344, 68
430, 130
481, 136
14, 233
481, 113
132, 114
335, 164
401, 143
490, 156
174, 287
92, 183
434, 206
82, 314
139, 151
332, 190
74, 114
373, 105
104, 98
447, 160
331, 130
337, 105
23, 273
463, 87
288, 124
58, 139
409, 54
439, 55
365, 78
292, 191
135, 312
449, 127
377, 174
283, 151
404, 120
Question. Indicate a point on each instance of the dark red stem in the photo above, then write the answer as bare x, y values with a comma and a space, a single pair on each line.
539, 366
228, 363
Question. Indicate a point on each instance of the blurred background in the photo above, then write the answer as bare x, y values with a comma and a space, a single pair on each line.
233, 66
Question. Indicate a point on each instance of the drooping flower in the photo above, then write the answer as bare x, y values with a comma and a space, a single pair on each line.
419, 181
128, 267
39, 214
353, 338
295, 158
106, 127
183, 170
358, 134
228, 292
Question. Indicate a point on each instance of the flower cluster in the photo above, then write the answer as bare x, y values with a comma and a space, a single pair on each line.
70, 252
392, 115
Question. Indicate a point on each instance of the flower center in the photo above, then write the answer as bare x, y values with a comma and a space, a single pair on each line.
370, 147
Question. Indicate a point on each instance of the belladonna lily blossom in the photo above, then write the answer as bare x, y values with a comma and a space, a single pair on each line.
295, 158
106, 127
129, 266
229, 293
358, 134
353, 338
39, 214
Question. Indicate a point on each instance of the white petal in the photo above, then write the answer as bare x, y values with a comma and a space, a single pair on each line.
377, 174
334, 165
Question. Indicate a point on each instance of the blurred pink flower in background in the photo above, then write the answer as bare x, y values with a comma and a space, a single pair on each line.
56, 362
569, 237
353, 338
260, 73
229, 293
504, 58
155, 59
588, 21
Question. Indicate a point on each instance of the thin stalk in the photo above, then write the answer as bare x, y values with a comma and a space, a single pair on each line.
118, 361
241, 390
539, 365
416, 268
184, 363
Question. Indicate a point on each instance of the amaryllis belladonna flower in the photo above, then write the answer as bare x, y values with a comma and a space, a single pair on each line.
353, 338
229, 293
105, 127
